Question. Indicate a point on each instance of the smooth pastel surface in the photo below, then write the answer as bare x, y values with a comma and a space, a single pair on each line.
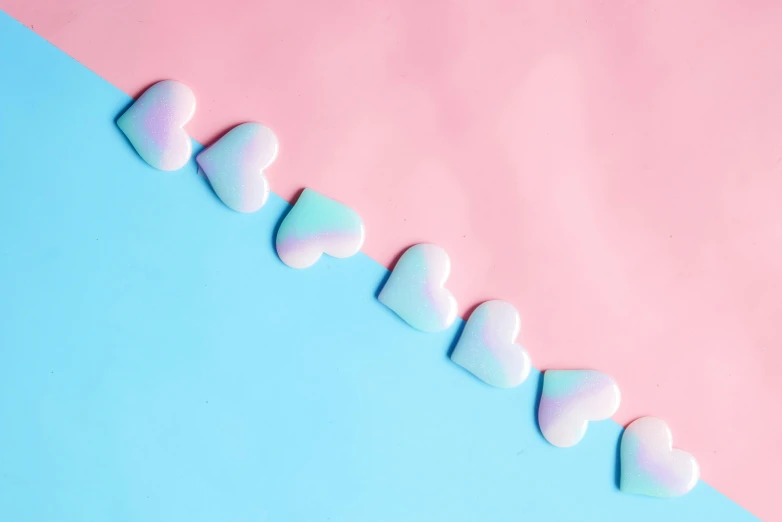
159, 364
416, 291
487, 347
610, 167
154, 124
572, 398
650, 465
235, 163
318, 225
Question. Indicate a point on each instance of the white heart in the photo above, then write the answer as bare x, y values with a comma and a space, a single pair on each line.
415, 290
572, 398
650, 465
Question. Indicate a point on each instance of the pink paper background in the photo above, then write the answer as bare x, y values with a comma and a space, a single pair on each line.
612, 168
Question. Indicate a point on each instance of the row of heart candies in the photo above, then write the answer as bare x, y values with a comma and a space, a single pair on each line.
415, 291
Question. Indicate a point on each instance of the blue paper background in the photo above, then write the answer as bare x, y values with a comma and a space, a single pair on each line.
159, 363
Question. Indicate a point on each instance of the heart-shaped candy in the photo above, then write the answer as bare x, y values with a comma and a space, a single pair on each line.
487, 349
650, 465
318, 225
415, 291
572, 398
234, 165
154, 122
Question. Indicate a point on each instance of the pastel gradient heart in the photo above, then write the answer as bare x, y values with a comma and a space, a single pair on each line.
487, 349
318, 225
234, 165
570, 400
154, 124
650, 465
415, 289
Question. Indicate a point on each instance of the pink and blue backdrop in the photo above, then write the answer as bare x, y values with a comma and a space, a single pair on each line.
613, 169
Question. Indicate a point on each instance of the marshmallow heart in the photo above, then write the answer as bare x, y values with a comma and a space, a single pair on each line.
153, 124
572, 398
486, 348
234, 165
318, 225
650, 465
415, 289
